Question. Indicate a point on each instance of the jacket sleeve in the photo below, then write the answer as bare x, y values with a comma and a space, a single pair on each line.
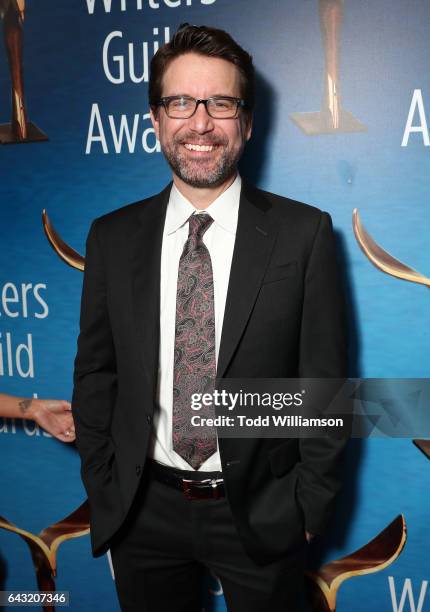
322, 355
95, 376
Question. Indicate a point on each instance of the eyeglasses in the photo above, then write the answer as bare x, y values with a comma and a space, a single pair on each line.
217, 107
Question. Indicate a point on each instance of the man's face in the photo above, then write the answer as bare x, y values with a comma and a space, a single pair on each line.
202, 77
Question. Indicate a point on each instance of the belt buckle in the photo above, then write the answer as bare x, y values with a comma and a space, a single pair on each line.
188, 492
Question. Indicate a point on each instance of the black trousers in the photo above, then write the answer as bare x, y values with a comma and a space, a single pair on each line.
167, 543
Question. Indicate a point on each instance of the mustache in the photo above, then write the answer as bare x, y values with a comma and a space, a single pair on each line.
206, 141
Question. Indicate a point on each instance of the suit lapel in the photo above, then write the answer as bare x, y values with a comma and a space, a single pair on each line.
146, 261
255, 238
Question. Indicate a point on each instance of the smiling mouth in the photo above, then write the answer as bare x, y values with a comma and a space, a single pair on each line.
196, 147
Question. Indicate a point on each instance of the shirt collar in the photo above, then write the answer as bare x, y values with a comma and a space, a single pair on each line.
224, 210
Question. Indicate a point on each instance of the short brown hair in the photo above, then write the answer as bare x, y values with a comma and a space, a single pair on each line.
210, 42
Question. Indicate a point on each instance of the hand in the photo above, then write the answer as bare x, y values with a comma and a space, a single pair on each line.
309, 536
55, 417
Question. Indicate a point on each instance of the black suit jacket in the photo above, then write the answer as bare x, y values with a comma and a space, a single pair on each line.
283, 318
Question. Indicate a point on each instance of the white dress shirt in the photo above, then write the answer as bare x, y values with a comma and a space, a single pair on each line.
219, 239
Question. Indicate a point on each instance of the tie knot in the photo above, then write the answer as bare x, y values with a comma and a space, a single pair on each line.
199, 223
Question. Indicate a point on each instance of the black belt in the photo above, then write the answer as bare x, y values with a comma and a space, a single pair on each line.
194, 485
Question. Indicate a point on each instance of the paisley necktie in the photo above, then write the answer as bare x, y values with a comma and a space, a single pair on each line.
194, 362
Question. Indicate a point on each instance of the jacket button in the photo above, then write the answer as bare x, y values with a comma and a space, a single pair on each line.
138, 470
149, 418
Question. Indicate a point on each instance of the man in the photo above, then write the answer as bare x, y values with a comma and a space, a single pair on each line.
211, 276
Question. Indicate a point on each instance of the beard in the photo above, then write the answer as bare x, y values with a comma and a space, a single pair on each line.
202, 173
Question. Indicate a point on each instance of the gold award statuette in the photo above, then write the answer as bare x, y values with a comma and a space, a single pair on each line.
20, 130
322, 586
332, 118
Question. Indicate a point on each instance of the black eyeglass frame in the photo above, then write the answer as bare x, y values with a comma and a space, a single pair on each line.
240, 103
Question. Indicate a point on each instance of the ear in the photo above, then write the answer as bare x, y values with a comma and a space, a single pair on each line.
248, 126
154, 116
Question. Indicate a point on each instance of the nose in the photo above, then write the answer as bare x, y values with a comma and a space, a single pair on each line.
201, 122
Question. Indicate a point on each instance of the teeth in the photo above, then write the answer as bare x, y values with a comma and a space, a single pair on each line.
195, 147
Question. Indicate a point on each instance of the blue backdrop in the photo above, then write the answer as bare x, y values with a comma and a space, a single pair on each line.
85, 71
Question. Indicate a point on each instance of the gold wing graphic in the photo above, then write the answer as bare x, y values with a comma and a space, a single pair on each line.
63, 250
383, 260
44, 546
376, 555
424, 446
390, 265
